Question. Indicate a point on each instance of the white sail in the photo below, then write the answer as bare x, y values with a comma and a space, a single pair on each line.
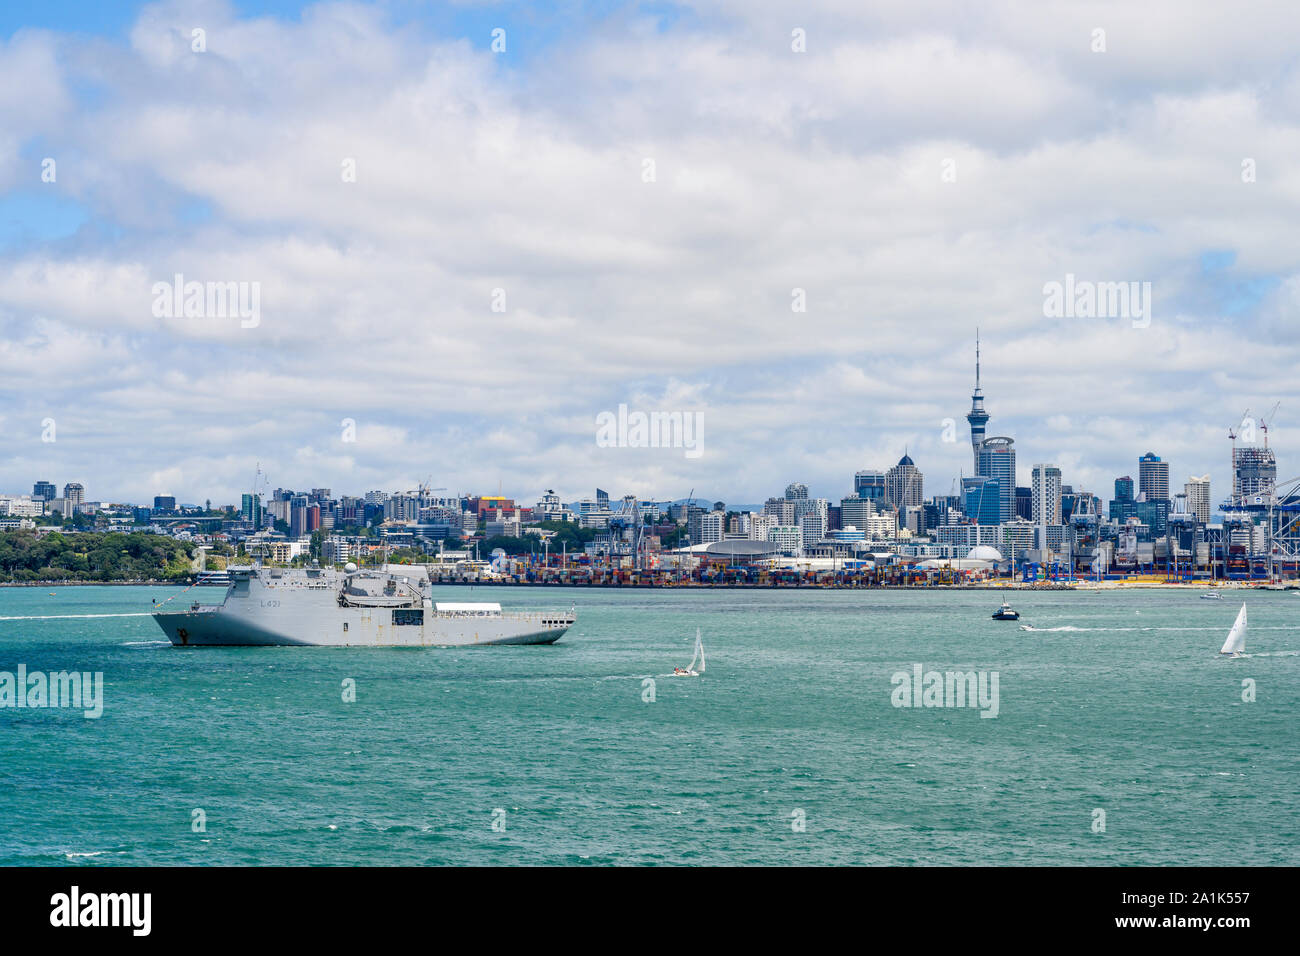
1236, 641
699, 648
695, 658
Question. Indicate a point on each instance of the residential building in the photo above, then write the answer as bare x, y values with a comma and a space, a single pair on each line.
1047, 494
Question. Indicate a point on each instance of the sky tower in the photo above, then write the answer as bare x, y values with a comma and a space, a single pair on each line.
977, 417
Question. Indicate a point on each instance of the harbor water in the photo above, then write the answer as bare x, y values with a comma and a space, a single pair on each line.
1121, 736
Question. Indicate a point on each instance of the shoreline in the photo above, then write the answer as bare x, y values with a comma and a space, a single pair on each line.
1199, 587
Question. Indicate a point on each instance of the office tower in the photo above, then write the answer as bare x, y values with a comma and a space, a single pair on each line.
997, 459
977, 416
164, 502
870, 485
855, 511
1024, 502
982, 499
1047, 494
903, 485
45, 491
1197, 491
297, 516
602, 500
1153, 477
1154, 513
250, 509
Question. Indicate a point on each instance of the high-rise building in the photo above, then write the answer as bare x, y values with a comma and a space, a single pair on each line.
45, 491
1153, 477
812, 526
759, 525
982, 499
977, 416
1024, 502
602, 499
997, 459
297, 516
1197, 491
855, 511
712, 527
1153, 514
782, 509
164, 502
1254, 474
903, 485
74, 494
870, 485
796, 491
250, 509
1047, 494
403, 508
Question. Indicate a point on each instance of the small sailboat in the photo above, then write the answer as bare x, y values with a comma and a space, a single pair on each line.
696, 658
1211, 596
1236, 641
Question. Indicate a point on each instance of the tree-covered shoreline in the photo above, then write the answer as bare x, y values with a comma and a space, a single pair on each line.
92, 557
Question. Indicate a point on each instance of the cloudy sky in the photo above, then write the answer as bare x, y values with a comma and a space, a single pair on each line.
639, 189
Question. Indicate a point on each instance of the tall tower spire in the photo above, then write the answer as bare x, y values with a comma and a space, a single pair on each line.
977, 416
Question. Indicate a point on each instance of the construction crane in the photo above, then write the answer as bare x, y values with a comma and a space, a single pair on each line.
1232, 462
1263, 422
424, 489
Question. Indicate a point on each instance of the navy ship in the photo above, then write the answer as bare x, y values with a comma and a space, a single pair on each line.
322, 607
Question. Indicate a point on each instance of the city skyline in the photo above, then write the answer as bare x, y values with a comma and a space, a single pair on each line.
471, 276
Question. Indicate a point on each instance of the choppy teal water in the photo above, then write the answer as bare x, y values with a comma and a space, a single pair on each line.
1116, 702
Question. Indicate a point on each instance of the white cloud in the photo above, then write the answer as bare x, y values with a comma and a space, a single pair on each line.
774, 170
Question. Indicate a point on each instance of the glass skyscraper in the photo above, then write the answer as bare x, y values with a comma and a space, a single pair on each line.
997, 459
982, 499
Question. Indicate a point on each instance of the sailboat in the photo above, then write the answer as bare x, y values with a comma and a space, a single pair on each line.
696, 658
1236, 641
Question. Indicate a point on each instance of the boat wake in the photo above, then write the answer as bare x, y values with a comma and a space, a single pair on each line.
1071, 627
147, 644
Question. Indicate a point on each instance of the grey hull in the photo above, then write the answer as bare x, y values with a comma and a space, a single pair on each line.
315, 609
